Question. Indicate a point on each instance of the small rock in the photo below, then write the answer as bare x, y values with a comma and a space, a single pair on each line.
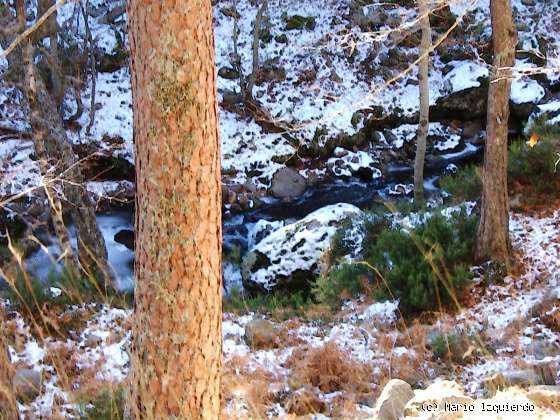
390, 404
300, 22
92, 340
125, 237
228, 73
27, 384
287, 183
260, 333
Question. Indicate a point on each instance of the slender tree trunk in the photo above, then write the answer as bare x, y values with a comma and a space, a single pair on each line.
423, 125
52, 145
176, 345
8, 404
61, 232
256, 40
493, 231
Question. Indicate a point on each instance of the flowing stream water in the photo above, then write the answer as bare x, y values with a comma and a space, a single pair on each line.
236, 227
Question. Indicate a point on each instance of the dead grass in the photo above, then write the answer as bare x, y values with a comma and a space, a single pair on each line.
247, 388
329, 369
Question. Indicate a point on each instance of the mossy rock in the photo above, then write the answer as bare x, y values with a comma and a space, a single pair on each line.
230, 12
300, 22
228, 73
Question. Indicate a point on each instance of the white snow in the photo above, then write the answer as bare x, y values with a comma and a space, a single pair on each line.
526, 90
298, 246
347, 163
465, 75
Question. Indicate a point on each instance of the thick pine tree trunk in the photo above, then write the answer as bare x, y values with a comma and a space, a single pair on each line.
8, 404
176, 346
423, 126
493, 231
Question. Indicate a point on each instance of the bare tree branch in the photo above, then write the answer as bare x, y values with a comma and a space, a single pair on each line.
32, 29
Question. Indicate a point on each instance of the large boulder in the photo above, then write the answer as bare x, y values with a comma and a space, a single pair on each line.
435, 398
525, 95
288, 257
465, 89
287, 183
390, 404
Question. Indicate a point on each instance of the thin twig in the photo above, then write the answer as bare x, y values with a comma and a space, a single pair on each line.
31, 29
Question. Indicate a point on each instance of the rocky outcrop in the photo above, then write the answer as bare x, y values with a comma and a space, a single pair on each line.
346, 164
434, 399
390, 404
289, 256
446, 400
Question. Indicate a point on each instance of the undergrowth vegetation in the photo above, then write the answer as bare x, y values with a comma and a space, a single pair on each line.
464, 185
106, 405
278, 305
31, 295
425, 268
532, 162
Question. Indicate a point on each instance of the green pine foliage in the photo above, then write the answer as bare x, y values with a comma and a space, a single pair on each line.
426, 268
464, 185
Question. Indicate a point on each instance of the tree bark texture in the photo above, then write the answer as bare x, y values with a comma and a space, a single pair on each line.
176, 345
493, 231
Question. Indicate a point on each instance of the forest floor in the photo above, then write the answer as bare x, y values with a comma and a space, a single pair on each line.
320, 361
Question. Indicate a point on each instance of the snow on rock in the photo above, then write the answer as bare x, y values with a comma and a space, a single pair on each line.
441, 138
464, 75
112, 127
106, 327
19, 172
526, 90
291, 254
347, 164
378, 313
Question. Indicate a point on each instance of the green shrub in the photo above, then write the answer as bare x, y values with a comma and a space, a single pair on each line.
535, 165
27, 293
464, 185
427, 267
446, 346
424, 268
345, 281
30, 294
